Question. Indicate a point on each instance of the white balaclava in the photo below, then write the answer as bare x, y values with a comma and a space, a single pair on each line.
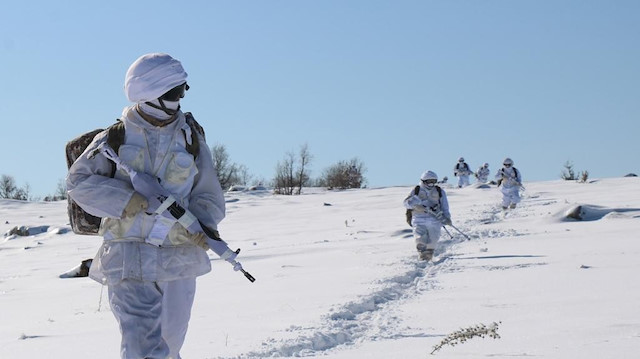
150, 77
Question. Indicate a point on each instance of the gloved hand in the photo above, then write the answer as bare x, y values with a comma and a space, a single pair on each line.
237, 266
447, 221
200, 240
179, 235
414, 201
136, 204
438, 214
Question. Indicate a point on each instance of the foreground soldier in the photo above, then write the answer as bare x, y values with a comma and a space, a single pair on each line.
430, 211
150, 263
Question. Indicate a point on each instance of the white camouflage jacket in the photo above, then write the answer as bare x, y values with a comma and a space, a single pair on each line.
425, 203
510, 176
160, 151
483, 173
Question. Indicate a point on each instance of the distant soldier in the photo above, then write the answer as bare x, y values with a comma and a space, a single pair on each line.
462, 171
511, 181
482, 174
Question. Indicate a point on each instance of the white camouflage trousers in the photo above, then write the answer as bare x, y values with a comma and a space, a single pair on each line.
510, 196
153, 316
463, 180
426, 236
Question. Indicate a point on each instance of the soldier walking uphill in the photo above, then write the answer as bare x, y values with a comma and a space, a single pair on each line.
430, 211
462, 171
511, 181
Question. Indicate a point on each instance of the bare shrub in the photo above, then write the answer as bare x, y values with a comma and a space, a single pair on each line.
343, 175
584, 176
462, 335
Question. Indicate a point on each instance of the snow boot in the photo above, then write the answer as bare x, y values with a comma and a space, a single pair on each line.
426, 255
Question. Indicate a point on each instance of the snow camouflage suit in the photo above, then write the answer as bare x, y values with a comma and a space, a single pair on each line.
510, 181
462, 171
482, 174
426, 227
134, 269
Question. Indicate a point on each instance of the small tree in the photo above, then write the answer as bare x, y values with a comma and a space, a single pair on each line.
284, 181
304, 159
7, 186
243, 176
225, 170
9, 190
60, 193
568, 174
584, 176
291, 174
229, 173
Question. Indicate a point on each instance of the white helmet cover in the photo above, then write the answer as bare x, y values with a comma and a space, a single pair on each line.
429, 175
507, 161
152, 75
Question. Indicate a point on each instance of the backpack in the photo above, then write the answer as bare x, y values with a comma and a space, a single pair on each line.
83, 222
464, 167
409, 212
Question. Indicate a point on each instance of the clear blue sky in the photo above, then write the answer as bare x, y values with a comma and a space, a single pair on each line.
402, 85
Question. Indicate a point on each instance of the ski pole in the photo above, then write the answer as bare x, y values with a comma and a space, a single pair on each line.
461, 232
446, 230
438, 215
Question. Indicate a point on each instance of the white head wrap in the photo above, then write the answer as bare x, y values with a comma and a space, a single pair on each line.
429, 175
151, 76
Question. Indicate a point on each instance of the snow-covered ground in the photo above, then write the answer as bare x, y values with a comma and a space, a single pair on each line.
337, 277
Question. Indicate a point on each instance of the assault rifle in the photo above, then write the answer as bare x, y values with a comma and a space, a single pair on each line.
162, 203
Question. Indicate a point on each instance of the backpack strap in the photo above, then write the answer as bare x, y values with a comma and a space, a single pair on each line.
115, 136
194, 147
515, 171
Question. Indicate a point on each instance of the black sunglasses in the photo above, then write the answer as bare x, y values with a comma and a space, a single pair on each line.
429, 181
176, 93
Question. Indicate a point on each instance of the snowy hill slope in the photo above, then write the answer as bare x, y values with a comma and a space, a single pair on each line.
338, 277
